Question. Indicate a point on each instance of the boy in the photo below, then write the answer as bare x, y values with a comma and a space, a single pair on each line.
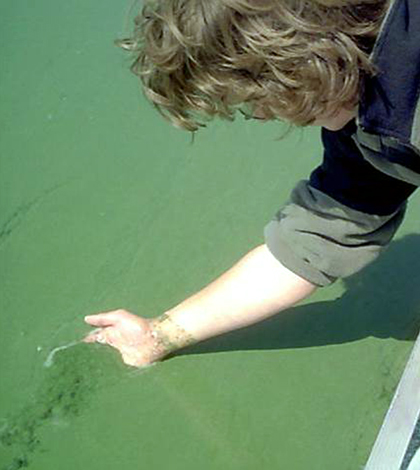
352, 68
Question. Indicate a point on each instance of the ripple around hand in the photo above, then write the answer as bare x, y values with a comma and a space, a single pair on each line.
65, 392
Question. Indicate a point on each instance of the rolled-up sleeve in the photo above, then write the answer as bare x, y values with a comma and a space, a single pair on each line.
340, 219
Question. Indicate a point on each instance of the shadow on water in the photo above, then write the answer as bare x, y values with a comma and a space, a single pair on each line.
66, 390
383, 301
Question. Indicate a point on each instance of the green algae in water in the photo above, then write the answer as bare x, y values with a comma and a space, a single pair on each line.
66, 390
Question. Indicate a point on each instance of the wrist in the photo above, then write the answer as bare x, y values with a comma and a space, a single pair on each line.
168, 336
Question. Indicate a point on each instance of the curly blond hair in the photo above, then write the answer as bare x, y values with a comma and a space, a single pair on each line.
281, 59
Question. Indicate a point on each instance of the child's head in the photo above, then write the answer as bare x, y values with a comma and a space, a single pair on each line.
278, 59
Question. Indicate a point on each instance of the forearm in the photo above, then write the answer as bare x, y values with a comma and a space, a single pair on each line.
257, 287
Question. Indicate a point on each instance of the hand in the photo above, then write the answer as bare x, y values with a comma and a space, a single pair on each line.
130, 334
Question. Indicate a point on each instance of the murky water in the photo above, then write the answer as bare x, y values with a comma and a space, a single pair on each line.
64, 393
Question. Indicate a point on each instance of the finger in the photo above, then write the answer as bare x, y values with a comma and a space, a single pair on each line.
103, 319
94, 336
89, 339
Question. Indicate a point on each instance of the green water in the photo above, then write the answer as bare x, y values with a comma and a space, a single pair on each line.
104, 205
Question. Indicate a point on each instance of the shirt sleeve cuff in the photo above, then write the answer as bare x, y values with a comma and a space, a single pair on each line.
283, 252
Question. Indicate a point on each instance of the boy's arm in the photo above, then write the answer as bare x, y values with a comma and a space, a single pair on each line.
257, 287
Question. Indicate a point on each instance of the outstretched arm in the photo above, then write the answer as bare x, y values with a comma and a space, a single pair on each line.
255, 288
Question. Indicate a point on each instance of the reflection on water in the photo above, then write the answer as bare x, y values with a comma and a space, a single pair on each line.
67, 388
